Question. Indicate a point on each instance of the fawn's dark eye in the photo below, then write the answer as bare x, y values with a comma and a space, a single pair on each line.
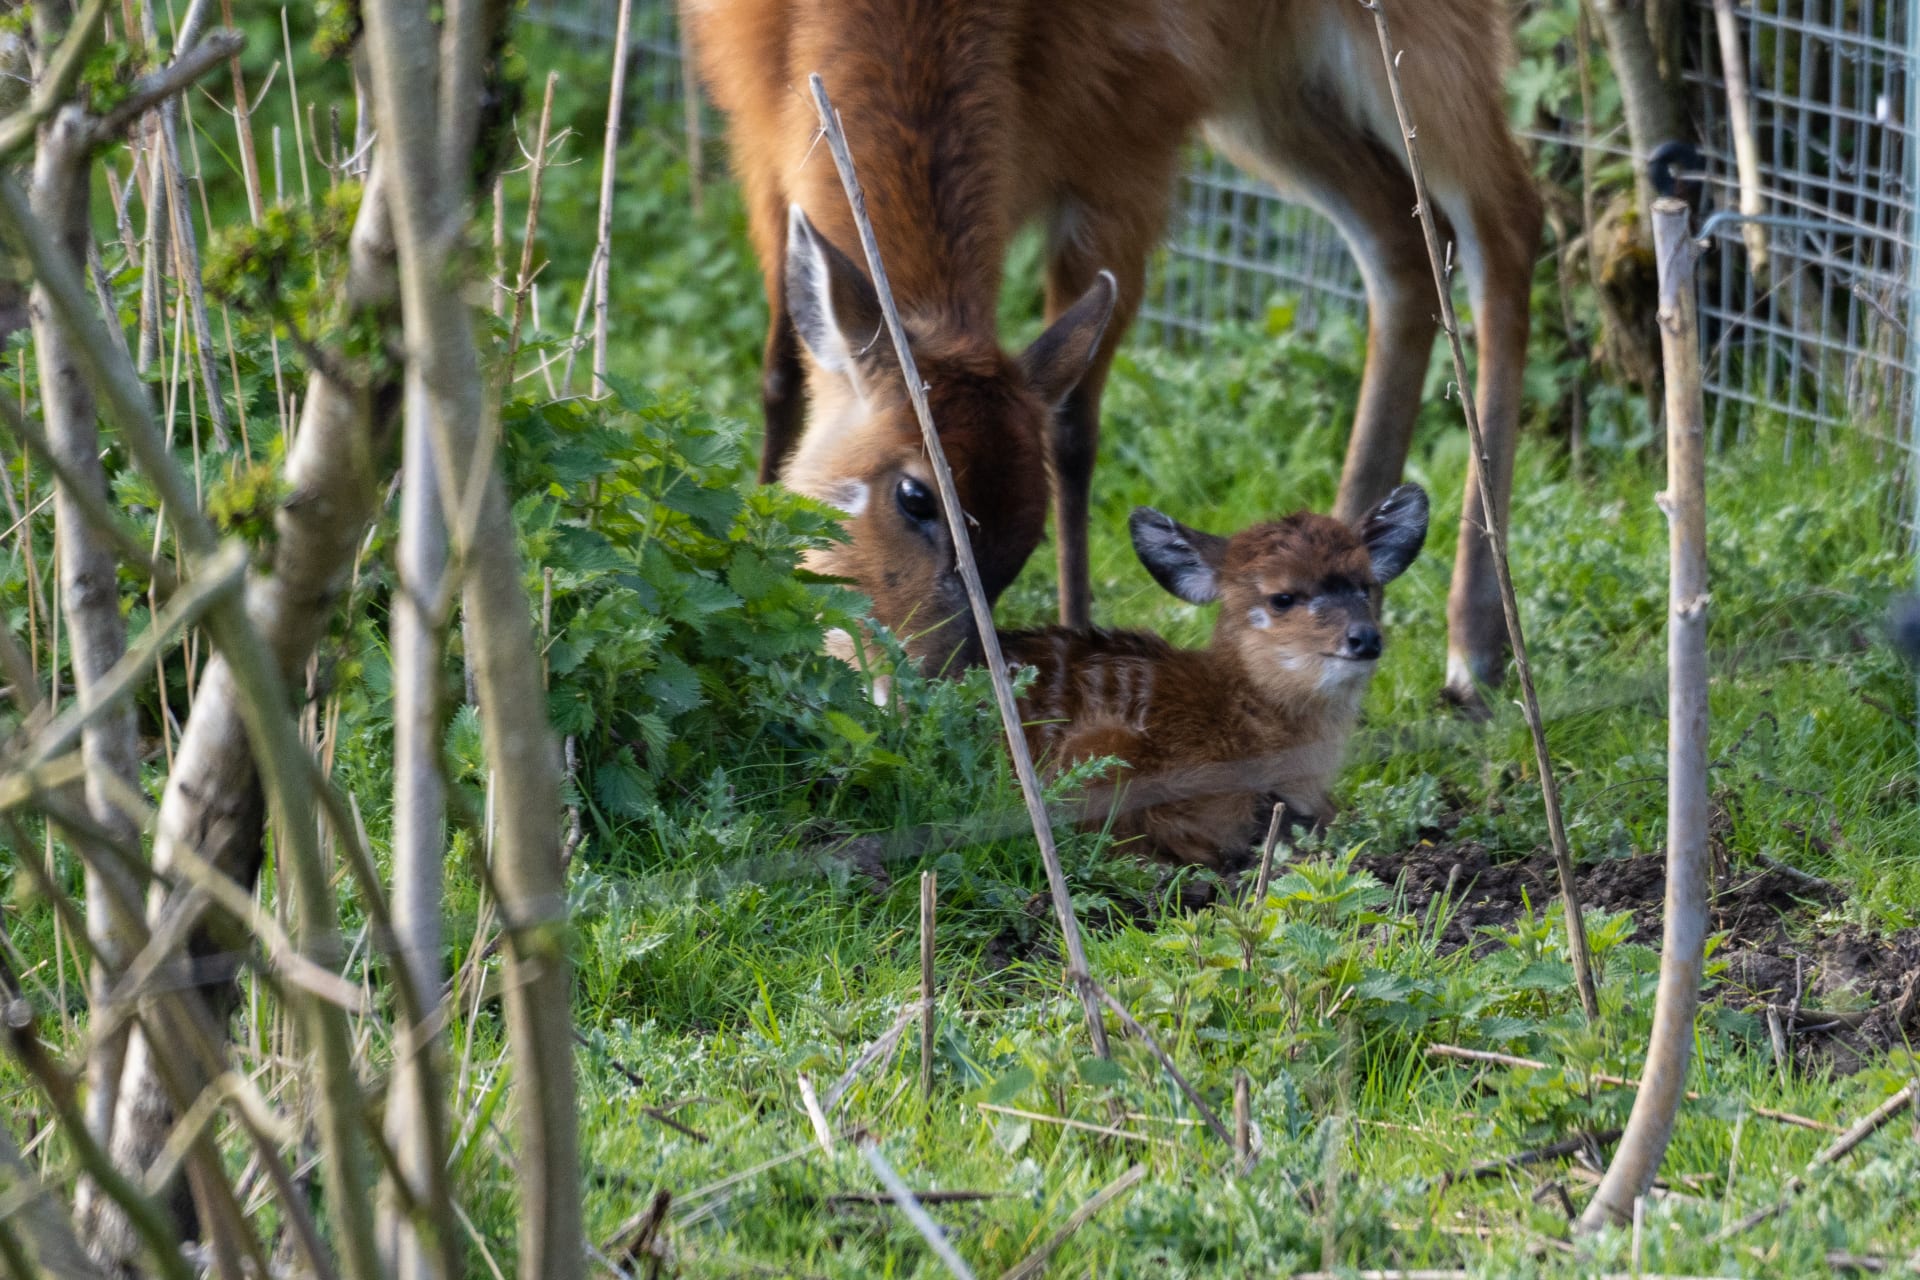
915, 500
1285, 600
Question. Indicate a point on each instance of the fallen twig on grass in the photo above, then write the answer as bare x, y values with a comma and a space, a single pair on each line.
1064, 1122
1865, 1128
929, 1229
1579, 1142
1032, 1264
1617, 1082
822, 1131
634, 1078
924, 1197
870, 1055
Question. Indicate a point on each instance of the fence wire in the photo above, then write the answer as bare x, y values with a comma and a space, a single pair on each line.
1819, 344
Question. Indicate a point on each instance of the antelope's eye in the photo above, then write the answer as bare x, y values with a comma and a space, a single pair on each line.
1285, 600
915, 500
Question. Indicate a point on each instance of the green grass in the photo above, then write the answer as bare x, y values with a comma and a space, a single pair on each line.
722, 987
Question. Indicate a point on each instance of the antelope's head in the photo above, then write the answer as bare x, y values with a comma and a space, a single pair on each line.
862, 450
1299, 597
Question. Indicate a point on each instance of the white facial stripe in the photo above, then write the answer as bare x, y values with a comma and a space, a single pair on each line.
850, 496
1258, 619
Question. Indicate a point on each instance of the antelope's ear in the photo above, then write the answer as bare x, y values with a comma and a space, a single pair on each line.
832, 303
1059, 358
1185, 561
1394, 531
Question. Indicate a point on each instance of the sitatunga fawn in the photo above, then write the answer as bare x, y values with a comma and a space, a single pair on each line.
1213, 737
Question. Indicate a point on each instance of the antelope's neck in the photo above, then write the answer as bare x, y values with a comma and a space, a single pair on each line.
928, 97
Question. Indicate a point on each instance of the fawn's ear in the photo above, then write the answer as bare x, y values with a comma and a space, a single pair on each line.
833, 305
1059, 358
1394, 531
1184, 561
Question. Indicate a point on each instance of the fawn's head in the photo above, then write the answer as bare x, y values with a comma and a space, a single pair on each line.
1299, 597
862, 451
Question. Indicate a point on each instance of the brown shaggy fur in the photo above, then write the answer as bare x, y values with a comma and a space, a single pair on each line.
1213, 737
969, 119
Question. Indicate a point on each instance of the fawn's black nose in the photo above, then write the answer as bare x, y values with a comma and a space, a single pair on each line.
1363, 642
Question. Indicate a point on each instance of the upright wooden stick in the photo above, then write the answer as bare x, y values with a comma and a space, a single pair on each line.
929, 882
1496, 530
609, 162
1663, 1082
1078, 974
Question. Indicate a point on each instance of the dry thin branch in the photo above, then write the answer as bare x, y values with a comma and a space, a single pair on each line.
416, 1119
89, 577
609, 161
1496, 527
929, 889
1682, 953
536, 185
262, 703
403, 58
1034, 1263
1127, 1020
149, 91
870, 1055
929, 1230
1078, 974
1746, 146
1106, 1131
1618, 1082
1867, 1126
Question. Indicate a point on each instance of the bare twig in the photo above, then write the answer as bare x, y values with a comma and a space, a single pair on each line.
1495, 531
1264, 879
406, 67
1746, 147
1105, 1131
929, 888
1868, 1125
1034, 1263
870, 1055
1078, 974
609, 167
929, 1230
1127, 1020
149, 91
810, 1102
1618, 1082
1682, 952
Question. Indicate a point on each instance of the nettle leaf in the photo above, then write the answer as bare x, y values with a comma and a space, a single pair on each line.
712, 509
586, 551
674, 685
1544, 975
750, 575
622, 786
1010, 1086
465, 752
570, 710
699, 597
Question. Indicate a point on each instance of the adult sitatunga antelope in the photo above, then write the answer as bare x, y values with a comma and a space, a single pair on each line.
968, 118
1213, 737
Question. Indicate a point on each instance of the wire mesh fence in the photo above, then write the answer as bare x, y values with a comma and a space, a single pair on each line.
1819, 341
